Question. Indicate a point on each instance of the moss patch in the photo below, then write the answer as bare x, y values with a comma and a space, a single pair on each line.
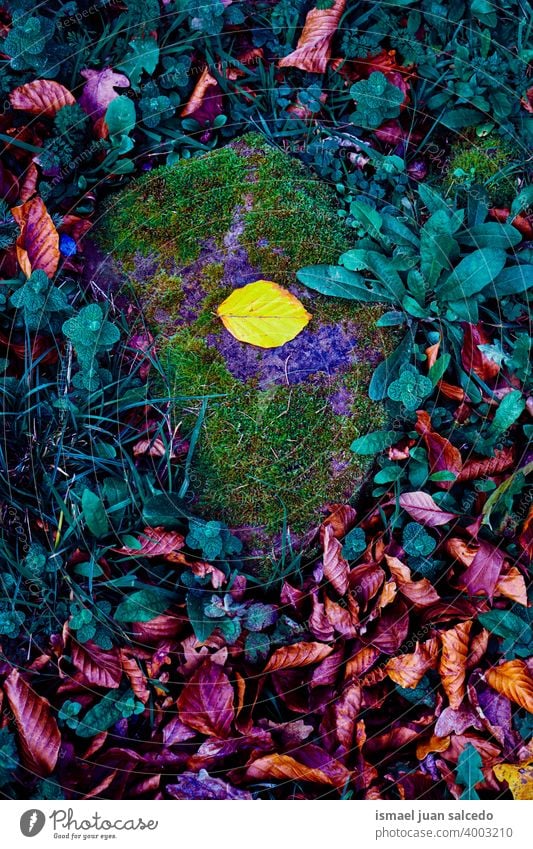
277, 437
484, 162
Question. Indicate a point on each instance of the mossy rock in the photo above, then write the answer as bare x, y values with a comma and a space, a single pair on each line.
276, 437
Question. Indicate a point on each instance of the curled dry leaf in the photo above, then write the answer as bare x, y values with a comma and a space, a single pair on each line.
341, 519
313, 50
526, 537
38, 734
336, 568
453, 661
135, 676
420, 593
38, 242
299, 654
407, 670
206, 702
513, 680
206, 88
41, 97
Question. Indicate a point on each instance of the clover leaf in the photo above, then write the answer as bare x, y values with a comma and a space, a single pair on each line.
416, 540
410, 388
377, 100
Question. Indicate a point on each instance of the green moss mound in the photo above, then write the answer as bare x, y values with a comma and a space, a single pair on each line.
275, 439
486, 162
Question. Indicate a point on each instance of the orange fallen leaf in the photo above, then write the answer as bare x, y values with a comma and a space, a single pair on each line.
287, 767
407, 670
299, 654
41, 97
434, 744
38, 242
513, 680
443, 456
336, 568
453, 661
313, 50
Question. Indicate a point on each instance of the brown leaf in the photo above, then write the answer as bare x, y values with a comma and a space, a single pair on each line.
332, 772
336, 569
313, 50
341, 520
407, 670
299, 654
206, 87
98, 667
38, 734
99, 90
504, 458
453, 661
420, 593
38, 242
155, 542
206, 702
422, 507
443, 456
41, 97
513, 680
346, 710
135, 676
362, 661
29, 184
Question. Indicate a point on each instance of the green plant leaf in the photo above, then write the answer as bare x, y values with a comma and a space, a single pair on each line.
94, 513
143, 605
468, 772
373, 443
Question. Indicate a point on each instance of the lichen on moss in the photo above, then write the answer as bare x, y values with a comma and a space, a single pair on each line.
279, 423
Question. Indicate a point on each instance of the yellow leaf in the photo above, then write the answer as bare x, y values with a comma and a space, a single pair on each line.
519, 778
263, 314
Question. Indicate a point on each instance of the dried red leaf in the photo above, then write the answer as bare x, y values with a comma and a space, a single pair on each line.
453, 661
205, 100
341, 519
443, 456
206, 702
191, 785
391, 629
41, 97
512, 585
526, 537
339, 617
38, 734
319, 624
98, 667
472, 357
